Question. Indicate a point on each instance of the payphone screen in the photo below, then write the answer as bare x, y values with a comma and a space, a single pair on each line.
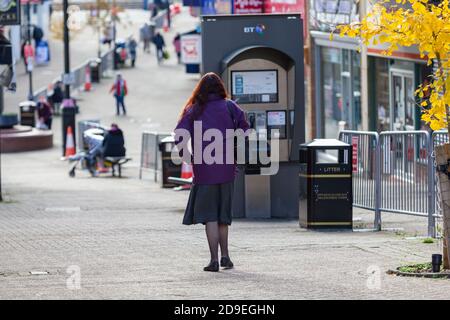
277, 120
259, 86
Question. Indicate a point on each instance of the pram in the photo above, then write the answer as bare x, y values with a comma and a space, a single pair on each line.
87, 159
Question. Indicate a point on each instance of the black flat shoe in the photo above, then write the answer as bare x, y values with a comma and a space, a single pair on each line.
226, 263
212, 266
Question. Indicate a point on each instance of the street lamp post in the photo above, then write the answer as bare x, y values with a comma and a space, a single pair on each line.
97, 23
113, 17
30, 72
66, 47
69, 108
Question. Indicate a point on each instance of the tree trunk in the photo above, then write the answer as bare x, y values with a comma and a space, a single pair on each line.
442, 157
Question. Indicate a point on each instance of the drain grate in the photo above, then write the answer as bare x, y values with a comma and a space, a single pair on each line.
29, 273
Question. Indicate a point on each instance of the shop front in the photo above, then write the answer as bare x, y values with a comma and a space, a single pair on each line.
336, 68
393, 81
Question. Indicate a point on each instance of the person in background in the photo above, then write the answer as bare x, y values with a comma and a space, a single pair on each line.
57, 96
108, 34
120, 90
132, 46
177, 45
154, 11
94, 138
28, 54
114, 143
38, 34
211, 198
146, 36
159, 42
45, 113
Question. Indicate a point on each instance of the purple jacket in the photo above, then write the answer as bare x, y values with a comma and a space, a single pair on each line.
216, 115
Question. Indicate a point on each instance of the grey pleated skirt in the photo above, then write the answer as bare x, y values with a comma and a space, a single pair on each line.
209, 203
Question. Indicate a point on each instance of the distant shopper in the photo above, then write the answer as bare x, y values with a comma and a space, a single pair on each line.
120, 90
28, 55
108, 35
57, 96
154, 11
177, 45
160, 44
146, 35
132, 47
210, 200
38, 34
45, 114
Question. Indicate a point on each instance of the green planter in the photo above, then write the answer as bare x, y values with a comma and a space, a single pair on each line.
8, 121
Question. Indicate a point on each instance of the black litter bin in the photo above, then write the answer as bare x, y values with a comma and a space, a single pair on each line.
95, 67
326, 195
168, 167
28, 113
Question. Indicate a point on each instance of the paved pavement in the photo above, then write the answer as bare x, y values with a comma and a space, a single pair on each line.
106, 238
83, 46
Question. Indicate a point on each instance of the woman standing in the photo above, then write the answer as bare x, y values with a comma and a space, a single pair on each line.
210, 200
177, 44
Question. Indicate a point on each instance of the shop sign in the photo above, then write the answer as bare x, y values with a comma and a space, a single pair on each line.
9, 12
224, 6
287, 6
191, 49
325, 15
248, 6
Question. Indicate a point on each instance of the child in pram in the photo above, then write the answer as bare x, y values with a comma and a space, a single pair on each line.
101, 143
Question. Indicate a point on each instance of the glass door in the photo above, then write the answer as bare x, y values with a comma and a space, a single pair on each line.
402, 100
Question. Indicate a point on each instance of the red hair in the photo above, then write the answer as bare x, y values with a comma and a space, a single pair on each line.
209, 84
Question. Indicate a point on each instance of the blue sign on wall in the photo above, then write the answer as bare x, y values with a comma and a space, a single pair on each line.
208, 7
192, 3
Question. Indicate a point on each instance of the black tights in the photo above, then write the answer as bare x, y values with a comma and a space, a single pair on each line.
217, 234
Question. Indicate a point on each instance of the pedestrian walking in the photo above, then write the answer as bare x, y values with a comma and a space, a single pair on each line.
45, 114
28, 55
132, 46
146, 35
120, 90
160, 44
57, 97
38, 34
177, 45
108, 34
211, 198
154, 11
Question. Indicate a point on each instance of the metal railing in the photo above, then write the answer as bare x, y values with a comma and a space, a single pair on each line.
365, 179
438, 137
395, 172
149, 153
79, 75
107, 63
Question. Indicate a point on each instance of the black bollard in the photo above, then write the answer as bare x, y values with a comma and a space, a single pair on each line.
436, 261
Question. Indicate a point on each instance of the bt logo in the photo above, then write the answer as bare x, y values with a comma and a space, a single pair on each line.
259, 29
